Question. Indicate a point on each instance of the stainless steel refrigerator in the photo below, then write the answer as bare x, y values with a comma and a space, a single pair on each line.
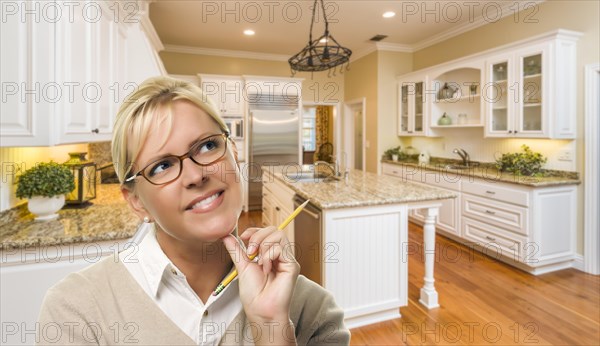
274, 140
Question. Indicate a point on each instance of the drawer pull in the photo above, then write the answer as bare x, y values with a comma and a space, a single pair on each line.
395, 172
490, 212
277, 208
490, 192
490, 238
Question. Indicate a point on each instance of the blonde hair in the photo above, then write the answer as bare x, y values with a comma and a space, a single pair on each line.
145, 108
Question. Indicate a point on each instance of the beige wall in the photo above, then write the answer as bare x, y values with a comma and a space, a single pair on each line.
361, 82
389, 65
579, 16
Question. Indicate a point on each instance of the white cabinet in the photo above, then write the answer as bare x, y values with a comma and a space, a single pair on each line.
64, 77
26, 275
530, 90
526, 89
456, 93
86, 56
278, 204
226, 92
412, 106
533, 228
28, 89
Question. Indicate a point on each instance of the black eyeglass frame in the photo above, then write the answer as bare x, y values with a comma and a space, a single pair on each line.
181, 158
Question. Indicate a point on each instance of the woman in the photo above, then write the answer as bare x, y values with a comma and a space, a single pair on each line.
181, 175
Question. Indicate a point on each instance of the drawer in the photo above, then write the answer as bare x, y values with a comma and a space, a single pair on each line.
267, 211
496, 191
507, 216
282, 194
443, 179
493, 240
390, 169
397, 171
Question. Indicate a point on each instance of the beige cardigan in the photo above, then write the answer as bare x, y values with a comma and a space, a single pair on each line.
104, 305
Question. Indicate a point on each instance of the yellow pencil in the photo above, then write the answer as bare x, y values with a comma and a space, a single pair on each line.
234, 273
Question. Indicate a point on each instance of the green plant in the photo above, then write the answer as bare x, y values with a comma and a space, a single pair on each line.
46, 179
525, 163
393, 151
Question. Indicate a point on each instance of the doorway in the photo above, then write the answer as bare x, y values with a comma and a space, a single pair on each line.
355, 133
318, 135
591, 237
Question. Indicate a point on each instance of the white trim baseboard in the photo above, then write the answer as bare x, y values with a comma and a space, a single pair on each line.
591, 237
578, 262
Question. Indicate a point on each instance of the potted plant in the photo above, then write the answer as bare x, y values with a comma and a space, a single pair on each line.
394, 153
45, 185
525, 163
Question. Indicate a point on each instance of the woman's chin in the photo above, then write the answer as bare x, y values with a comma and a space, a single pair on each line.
214, 232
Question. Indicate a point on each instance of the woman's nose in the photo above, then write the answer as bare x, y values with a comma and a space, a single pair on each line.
192, 174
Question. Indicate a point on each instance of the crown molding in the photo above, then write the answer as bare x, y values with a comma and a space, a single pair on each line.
148, 28
394, 47
505, 10
362, 53
225, 53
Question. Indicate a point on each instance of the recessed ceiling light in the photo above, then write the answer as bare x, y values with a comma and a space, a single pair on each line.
248, 32
389, 14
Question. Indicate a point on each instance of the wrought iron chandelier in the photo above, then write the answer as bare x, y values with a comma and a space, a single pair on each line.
322, 53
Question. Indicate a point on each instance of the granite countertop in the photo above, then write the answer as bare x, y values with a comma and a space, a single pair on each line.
489, 172
360, 190
108, 218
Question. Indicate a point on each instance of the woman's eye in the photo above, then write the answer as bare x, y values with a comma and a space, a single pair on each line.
207, 146
160, 167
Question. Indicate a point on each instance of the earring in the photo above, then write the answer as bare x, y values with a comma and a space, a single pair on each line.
146, 219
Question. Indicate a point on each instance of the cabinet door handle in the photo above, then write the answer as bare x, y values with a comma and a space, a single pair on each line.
490, 238
515, 131
95, 130
395, 172
277, 208
510, 131
490, 192
490, 212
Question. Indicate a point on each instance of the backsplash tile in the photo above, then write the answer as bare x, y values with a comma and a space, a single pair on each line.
488, 149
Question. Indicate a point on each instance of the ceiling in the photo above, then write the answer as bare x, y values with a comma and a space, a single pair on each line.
282, 26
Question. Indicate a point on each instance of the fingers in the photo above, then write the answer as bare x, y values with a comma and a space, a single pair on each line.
261, 236
248, 233
235, 251
280, 256
272, 246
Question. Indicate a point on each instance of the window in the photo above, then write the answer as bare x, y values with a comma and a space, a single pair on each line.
309, 129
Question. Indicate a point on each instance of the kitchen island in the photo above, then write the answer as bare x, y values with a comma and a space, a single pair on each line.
364, 237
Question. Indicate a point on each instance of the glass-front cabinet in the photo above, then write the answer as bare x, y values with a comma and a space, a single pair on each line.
411, 108
517, 94
532, 74
498, 99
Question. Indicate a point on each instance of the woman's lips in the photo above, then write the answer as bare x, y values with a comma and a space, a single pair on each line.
209, 203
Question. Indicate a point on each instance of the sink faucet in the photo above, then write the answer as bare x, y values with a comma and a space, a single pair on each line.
463, 155
334, 167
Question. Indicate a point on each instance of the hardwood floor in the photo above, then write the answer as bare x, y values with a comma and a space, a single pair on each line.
484, 301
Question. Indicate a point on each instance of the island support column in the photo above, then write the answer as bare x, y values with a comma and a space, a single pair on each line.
429, 296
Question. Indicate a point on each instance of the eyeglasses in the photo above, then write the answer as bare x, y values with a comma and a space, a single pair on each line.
165, 170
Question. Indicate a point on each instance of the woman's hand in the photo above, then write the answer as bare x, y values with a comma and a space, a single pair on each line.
266, 286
